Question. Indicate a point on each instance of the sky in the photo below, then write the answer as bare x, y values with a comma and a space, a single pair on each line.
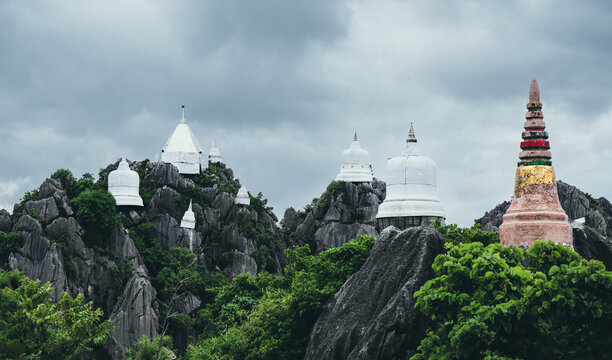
281, 85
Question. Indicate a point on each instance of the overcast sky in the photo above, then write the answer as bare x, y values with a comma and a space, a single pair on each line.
281, 85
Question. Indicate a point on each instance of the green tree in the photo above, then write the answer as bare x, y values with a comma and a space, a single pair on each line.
9, 242
456, 235
32, 326
270, 317
96, 212
495, 302
147, 349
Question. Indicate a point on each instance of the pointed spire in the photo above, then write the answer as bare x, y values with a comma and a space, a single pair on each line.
183, 114
190, 201
411, 136
355, 138
534, 91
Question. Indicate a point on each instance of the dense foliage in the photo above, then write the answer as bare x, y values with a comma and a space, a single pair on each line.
495, 302
96, 212
456, 235
32, 326
270, 317
9, 242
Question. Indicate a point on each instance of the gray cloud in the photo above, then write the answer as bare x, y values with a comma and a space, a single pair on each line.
281, 85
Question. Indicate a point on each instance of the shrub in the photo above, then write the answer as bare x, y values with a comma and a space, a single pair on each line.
456, 235
60, 174
96, 212
487, 303
9, 242
28, 196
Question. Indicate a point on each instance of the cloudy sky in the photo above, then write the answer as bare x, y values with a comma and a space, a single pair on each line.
281, 85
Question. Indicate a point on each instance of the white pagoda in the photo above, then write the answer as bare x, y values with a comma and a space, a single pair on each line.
215, 155
242, 198
412, 190
182, 149
355, 164
188, 221
124, 184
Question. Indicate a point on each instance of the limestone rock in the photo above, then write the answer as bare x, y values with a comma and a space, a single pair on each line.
335, 234
372, 316
134, 315
592, 245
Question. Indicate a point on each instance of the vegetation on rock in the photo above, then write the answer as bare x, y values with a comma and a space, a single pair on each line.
495, 302
32, 326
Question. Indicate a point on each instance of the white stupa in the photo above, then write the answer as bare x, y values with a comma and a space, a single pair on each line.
355, 164
412, 190
215, 155
123, 184
182, 148
188, 221
242, 198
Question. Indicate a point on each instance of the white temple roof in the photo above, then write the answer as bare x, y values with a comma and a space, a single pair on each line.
242, 198
188, 221
182, 148
215, 155
123, 184
412, 184
355, 164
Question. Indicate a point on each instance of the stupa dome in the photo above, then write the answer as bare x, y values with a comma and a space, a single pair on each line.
188, 221
355, 164
123, 184
412, 189
242, 197
182, 149
215, 155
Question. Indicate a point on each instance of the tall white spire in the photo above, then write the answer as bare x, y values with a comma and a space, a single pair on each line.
188, 221
215, 155
182, 148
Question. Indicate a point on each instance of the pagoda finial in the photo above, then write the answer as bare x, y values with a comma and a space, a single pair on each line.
183, 113
534, 91
190, 201
411, 136
355, 138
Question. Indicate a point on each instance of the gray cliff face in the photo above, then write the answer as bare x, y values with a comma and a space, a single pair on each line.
226, 236
592, 239
372, 316
344, 210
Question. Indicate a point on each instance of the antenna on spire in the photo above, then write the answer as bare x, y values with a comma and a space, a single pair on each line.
355, 138
411, 136
183, 113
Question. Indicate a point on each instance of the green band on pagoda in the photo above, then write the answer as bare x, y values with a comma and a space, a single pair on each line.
535, 162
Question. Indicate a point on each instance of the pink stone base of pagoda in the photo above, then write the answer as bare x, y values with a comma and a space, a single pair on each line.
535, 212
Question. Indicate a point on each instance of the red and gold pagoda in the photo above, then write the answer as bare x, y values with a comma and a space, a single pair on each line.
535, 212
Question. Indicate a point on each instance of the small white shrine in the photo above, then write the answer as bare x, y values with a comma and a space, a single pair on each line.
412, 190
182, 148
355, 164
215, 155
124, 184
188, 221
242, 198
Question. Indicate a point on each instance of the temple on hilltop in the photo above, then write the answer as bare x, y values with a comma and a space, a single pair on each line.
535, 212
412, 190
214, 156
355, 164
124, 185
182, 149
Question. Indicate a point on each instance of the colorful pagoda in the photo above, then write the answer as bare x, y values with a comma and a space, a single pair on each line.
535, 212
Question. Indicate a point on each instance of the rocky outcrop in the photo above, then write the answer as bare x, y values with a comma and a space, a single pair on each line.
372, 316
133, 315
590, 220
344, 210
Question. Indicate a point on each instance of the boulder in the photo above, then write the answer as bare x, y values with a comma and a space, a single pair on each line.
372, 316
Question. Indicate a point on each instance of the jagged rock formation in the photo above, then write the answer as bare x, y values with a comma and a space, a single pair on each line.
57, 249
344, 210
373, 316
592, 237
